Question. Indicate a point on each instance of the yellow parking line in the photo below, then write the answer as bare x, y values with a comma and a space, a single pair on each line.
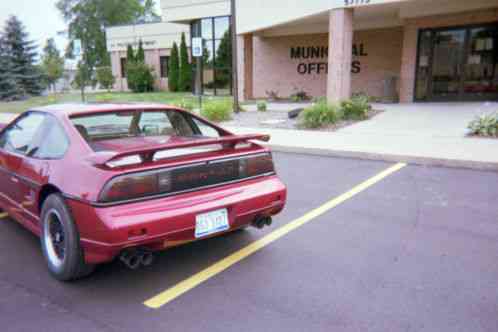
195, 280
3, 215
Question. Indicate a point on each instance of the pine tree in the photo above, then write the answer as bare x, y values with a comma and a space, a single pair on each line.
174, 69
140, 52
185, 77
8, 86
130, 62
23, 54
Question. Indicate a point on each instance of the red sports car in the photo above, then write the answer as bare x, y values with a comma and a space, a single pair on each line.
96, 182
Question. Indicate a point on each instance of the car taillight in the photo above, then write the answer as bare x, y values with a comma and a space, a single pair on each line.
258, 165
129, 187
158, 182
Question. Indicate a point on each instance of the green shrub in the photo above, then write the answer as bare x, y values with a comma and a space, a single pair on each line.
356, 108
485, 125
299, 96
105, 77
320, 114
186, 104
140, 77
217, 110
262, 107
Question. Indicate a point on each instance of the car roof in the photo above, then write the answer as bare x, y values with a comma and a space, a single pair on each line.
72, 109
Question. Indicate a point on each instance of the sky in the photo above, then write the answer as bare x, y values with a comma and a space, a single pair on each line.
41, 18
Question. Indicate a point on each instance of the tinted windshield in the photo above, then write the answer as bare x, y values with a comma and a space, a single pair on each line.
121, 125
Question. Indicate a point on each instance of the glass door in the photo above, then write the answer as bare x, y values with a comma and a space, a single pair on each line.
458, 64
448, 54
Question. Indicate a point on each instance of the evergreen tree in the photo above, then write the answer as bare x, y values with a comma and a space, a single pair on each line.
140, 52
8, 86
185, 77
130, 62
130, 55
22, 52
174, 69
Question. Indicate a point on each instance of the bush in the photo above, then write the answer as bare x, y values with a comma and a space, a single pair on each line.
140, 77
299, 96
356, 108
105, 77
485, 125
261, 105
217, 110
320, 114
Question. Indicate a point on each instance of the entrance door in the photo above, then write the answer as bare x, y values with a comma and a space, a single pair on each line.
448, 53
458, 64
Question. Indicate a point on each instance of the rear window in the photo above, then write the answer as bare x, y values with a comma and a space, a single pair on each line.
112, 126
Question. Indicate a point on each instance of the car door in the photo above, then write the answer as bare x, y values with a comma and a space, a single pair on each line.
48, 146
14, 145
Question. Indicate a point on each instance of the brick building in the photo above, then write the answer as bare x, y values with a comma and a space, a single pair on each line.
411, 50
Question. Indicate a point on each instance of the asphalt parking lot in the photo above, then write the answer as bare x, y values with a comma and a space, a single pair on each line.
415, 251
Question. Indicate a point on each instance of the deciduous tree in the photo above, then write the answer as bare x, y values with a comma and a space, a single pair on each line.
87, 20
52, 64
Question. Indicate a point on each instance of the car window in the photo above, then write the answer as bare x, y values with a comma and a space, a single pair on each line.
105, 126
19, 135
180, 123
205, 129
54, 143
156, 124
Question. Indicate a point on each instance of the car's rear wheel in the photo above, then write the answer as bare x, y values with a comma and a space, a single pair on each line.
60, 241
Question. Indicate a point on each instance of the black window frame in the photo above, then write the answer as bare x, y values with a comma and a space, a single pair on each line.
123, 62
196, 31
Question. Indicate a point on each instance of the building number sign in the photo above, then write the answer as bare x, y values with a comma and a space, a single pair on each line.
349, 3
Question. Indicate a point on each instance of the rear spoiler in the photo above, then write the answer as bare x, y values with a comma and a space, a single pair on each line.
101, 158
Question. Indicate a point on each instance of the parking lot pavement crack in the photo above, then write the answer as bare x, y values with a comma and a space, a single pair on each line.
46, 303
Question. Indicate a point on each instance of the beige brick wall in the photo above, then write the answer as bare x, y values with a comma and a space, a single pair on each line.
378, 57
411, 28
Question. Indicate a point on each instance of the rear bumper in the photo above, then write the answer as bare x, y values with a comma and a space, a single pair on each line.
167, 222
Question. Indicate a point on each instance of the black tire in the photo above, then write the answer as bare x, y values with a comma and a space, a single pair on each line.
62, 250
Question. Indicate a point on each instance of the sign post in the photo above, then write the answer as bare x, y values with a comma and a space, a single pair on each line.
197, 53
235, 79
79, 54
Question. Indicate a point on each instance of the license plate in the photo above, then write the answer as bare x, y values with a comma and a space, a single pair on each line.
211, 223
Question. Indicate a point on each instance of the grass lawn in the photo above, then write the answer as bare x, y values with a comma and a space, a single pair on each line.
153, 97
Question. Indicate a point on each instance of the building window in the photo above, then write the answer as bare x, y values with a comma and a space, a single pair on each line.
123, 67
217, 58
163, 62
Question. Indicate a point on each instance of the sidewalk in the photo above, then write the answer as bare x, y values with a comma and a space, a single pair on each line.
427, 134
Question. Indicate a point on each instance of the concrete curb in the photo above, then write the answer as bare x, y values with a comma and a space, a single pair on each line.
423, 161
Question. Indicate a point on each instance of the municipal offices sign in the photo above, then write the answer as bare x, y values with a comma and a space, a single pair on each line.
314, 59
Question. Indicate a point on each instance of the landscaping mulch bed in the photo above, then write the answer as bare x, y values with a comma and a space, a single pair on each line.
280, 120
